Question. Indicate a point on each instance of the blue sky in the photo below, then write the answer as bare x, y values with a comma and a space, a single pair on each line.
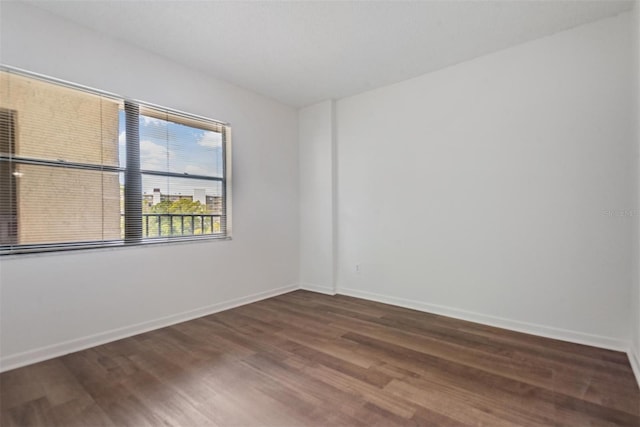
168, 146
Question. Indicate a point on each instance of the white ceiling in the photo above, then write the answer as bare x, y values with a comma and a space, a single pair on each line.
302, 52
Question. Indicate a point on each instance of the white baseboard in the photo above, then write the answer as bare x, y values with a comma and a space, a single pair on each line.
634, 360
316, 288
499, 322
44, 353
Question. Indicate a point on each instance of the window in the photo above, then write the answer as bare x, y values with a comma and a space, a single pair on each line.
81, 168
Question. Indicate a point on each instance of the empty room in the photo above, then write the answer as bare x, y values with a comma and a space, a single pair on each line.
319, 213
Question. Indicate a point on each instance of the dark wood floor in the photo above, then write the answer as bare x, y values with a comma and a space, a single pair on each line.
305, 359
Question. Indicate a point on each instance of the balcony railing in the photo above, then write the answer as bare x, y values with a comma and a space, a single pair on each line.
170, 225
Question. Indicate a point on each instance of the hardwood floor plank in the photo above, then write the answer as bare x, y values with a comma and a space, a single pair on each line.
542, 375
79, 413
424, 363
308, 359
32, 413
24, 387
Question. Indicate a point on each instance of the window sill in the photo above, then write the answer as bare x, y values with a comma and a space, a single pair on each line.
108, 248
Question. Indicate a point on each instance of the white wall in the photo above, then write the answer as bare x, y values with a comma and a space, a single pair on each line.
490, 190
54, 303
634, 353
316, 152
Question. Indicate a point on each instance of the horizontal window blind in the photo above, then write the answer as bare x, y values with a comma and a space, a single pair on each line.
81, 168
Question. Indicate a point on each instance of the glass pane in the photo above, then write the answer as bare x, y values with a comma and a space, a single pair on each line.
122, 139
171, 146
60, 205
55, 122
195, 151
154, 151
8, 208
180, 206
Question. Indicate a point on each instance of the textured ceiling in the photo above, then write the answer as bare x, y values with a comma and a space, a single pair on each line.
303, 52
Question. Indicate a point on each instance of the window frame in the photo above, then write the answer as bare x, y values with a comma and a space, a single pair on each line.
146, 109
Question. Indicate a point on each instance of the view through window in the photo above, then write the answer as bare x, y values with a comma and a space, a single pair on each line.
80, 168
